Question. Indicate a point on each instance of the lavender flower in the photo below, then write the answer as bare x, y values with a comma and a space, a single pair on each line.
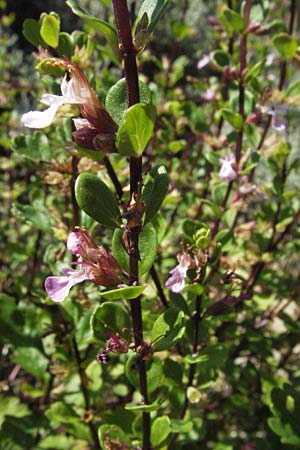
177, 280
96, 265
228, 169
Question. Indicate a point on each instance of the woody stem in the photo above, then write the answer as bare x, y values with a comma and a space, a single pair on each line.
132, 89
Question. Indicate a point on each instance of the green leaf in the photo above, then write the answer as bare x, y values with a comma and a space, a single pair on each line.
125, 293
212, 357
285, 44
145, 408
116, 100
11, 406
26, 355
111, 432
97, 24
154, 372
155, 190
154, 10
50, 29
160, 430
220, 58
97, 200
47, 66
254, 71
110, 318
136, 129
234, 19
31, 31
147, 248
168, 329
33, 146
235, 119
36, 214
65, 45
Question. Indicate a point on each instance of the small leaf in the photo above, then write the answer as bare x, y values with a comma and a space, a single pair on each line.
154, 372
235, 119
31, 31
234, 19
147, 248
109, 318
254, 71
125, 293
145, 408
168, 329
65, 45
160, 430
285, 44
154, 10
34, 146
50, 29
99, 25
220, 58
97, 200
155, 190
47, 66
116, 100
136, 129
111, 432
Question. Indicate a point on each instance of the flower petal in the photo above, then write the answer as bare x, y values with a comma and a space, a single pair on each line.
58, 288
39, 119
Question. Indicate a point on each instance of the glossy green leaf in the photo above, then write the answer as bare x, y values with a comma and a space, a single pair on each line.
97, 200
97, 24
136, 129
110, 318
147, 248
255, 70
116, 99
124, 293
285, 44
155, 190
168, 329
111, 432
160, 430
65, 45
50, 29
235, 119
145, 408
234, 19
154, 372
154, 10
220, 58
31, 31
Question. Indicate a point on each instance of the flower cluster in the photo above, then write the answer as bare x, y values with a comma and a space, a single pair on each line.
95, 129
115, 344
96, 265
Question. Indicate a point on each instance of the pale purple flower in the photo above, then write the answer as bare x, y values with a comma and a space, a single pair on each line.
204, 61
58, 288
228, 169
96, 265
177, 280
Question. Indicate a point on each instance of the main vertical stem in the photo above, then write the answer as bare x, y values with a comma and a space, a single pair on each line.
132, 88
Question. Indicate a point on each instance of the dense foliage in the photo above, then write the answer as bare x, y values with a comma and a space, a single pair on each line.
178, 197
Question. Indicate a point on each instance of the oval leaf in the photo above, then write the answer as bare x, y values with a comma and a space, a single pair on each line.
136, 129
126, 293
154, 372
116, 99
168, 329
31, 31
97, 200
235, 119
147, 248
160, 430
285, 44
155, 190
109, 318
50, 30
